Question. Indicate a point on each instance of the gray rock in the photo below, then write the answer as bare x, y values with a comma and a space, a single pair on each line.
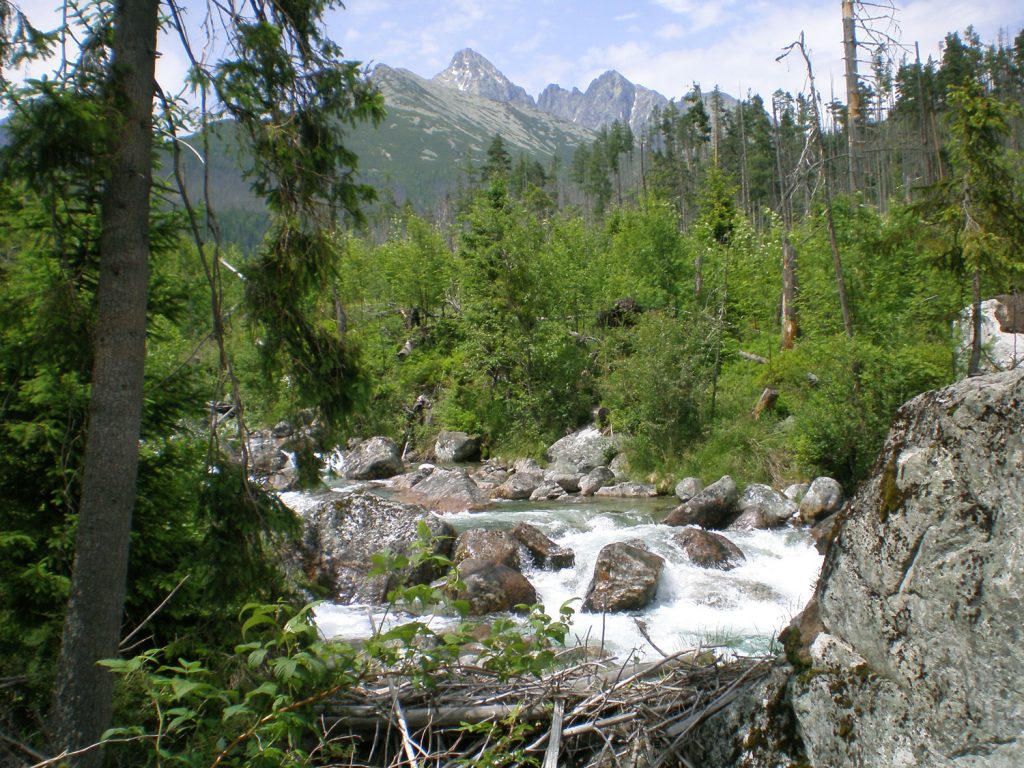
341, 533
761, 507
688, 487
544, 551
568, 482
628, 490
496, 546
918, 658
547, 491
709, 550
714, 507
595, 479
581, 451
625, 579
620, 468
375, 459
823, 498
445, 490
490, 587
796, 491
520, 485
527, 467
456, 446
265, 454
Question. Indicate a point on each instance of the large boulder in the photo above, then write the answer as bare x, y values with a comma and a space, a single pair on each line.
456, 446
444, 490
544, 551
342, 533
762, 507
496, 546
581, 451
917, 658
709, 550
824, 497
377, 458
625, 579
489, 587
520, 485
714, 507
688, 487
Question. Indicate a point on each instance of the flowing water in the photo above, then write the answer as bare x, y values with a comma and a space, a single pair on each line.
741, 610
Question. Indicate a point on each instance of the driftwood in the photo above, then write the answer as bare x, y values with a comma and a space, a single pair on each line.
765, 403
753, 358
588, 714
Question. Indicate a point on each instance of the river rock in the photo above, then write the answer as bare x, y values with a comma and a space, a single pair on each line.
496, 546
917, 660
375, 459
823, 498
619, 467
341, 533
519, 485
547, 491
796, 491
456, 446
630, 490
709, 550
568, 482
527, 467
762, 507
490, 587
625, 579
688, 487
581, 451
714, 507
595, 479
265, 454
445, 490
544, 551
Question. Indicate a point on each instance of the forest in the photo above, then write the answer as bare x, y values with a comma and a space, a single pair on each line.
672, 277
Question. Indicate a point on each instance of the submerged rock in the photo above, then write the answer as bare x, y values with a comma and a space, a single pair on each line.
625, 579
544, 551
709, 550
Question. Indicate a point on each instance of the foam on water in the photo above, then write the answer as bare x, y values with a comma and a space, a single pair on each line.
741, 609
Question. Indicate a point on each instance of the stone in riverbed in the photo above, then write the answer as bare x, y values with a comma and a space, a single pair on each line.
375, 459
581, 451
490, 587
628, 490
714, 507
823, 498
625, 579
445, 490
544, 551
762, 507
342, 533
688, 487
595, 479
456, 446
709, 550
495, 546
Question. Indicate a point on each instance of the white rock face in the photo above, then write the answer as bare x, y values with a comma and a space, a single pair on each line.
919, 657
922, 594
1000, 351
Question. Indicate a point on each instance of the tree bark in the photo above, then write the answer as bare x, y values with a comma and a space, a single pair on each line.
84, 691
853, 108
974, 364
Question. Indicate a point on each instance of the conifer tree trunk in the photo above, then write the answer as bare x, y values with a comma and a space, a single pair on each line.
853, 109
92, 628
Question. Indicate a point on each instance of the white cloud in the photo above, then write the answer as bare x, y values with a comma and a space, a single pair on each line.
627, 17
670, 32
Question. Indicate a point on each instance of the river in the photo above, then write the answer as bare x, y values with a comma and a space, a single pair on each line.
739, 611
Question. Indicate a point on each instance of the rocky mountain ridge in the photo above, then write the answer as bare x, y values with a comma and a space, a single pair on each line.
608, 98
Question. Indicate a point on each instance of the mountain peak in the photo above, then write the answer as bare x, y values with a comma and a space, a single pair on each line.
469, 72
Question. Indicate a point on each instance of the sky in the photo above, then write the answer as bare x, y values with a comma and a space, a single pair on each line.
666, 45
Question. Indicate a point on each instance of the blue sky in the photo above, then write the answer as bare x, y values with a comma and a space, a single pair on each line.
662, 44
